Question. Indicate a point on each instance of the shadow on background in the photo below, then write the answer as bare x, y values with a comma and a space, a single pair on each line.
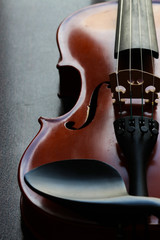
98, 1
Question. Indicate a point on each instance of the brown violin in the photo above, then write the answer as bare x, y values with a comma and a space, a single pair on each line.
93, 173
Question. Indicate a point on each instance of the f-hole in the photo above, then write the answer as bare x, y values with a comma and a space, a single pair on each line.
91, 112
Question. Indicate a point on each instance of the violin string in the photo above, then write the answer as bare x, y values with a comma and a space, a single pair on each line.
141, 53
118, 51
152, 61
130, 59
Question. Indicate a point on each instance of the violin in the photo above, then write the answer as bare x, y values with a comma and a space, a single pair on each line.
94, 171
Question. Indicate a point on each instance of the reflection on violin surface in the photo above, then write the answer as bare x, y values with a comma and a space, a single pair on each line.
96, 168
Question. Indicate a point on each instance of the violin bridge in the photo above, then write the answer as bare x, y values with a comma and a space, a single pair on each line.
136, 84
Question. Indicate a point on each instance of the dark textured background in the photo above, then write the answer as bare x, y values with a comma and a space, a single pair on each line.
28, 89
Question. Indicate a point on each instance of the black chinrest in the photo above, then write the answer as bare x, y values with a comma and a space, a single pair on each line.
90, 187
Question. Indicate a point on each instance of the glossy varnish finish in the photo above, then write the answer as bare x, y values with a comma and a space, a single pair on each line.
86, 43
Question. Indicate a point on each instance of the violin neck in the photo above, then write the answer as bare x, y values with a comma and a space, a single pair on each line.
135, 27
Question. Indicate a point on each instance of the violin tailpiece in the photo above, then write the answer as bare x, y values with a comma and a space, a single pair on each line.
137, 137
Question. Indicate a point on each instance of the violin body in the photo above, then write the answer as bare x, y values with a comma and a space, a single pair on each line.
86, 45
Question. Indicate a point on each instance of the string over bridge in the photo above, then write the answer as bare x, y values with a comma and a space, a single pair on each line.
138, 79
